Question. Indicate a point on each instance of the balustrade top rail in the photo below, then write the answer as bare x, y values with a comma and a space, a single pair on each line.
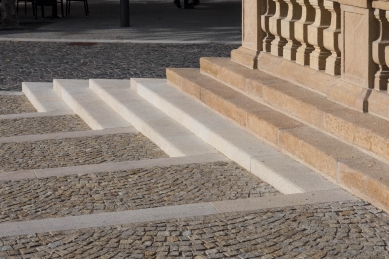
381, 4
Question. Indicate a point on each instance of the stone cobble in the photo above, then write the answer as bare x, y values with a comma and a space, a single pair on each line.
44, 61
13, 104
76, 151
329, 230
128, 190
41, 125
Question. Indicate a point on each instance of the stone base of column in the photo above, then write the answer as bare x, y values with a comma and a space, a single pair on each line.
246, 57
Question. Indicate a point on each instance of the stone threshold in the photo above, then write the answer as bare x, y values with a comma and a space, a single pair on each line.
109, 167
170, 212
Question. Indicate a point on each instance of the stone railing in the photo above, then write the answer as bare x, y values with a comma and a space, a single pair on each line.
306, 31
345, 41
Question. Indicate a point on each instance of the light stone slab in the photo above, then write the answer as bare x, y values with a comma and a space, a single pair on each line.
105, 219
288, 175
170, 136
86, 104
110, 167
240, 146
43, 97
35, 115
170, 212
195, 116
10, 93
63, 135
279, 201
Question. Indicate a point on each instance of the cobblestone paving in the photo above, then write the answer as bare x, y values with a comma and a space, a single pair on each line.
41, 125
12, 104
43, 62
331, 230
76, 151
127, 190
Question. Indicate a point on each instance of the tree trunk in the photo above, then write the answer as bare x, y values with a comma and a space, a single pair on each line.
8, 13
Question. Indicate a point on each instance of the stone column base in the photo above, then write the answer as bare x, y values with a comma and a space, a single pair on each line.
246, 57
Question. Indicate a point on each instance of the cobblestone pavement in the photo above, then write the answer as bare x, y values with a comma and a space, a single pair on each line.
43, 62
76, 151
330, 230
128, 190
41, 125
12, 104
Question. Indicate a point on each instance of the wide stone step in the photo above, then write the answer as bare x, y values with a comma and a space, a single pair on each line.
341, 162
86, 104
166, 133
282, 172
364, 130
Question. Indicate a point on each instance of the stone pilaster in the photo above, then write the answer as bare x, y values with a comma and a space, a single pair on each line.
252, 34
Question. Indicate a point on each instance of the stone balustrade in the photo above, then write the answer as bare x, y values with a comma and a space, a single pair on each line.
304, 30
379, 47
347, 40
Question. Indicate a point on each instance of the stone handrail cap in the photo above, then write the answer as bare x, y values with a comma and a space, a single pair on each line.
381, 4
356, 3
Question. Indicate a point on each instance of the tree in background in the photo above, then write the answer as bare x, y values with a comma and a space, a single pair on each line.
9, 17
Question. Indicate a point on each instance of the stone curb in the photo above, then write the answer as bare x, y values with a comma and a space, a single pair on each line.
35, 115
169, 212
62, 135
10, 93
120, 41
109, 167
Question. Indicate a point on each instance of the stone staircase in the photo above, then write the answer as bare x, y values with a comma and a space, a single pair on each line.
268, 124
348, 147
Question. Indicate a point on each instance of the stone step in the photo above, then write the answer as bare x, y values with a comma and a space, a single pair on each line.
363, 130
43, 97
166, 133
86, 104
262, 160
343, 163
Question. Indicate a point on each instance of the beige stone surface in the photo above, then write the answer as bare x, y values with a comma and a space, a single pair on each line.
381, 4
356, 3
317, 149
359, 32
379, 103
364, 130
267, 124
300, 102
368, 178
350, 95
209, 67
296, 74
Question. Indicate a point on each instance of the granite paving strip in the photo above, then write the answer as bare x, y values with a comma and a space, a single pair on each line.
24, 62
168, 212
328, 230
41, 125
11, 104
128, 190
35, 115
109, 167
54, 153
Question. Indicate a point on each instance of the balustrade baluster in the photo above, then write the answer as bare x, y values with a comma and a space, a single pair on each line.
288, 29
317, 59
301, 32
271, 9
331, 38
277, 45
382, 75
